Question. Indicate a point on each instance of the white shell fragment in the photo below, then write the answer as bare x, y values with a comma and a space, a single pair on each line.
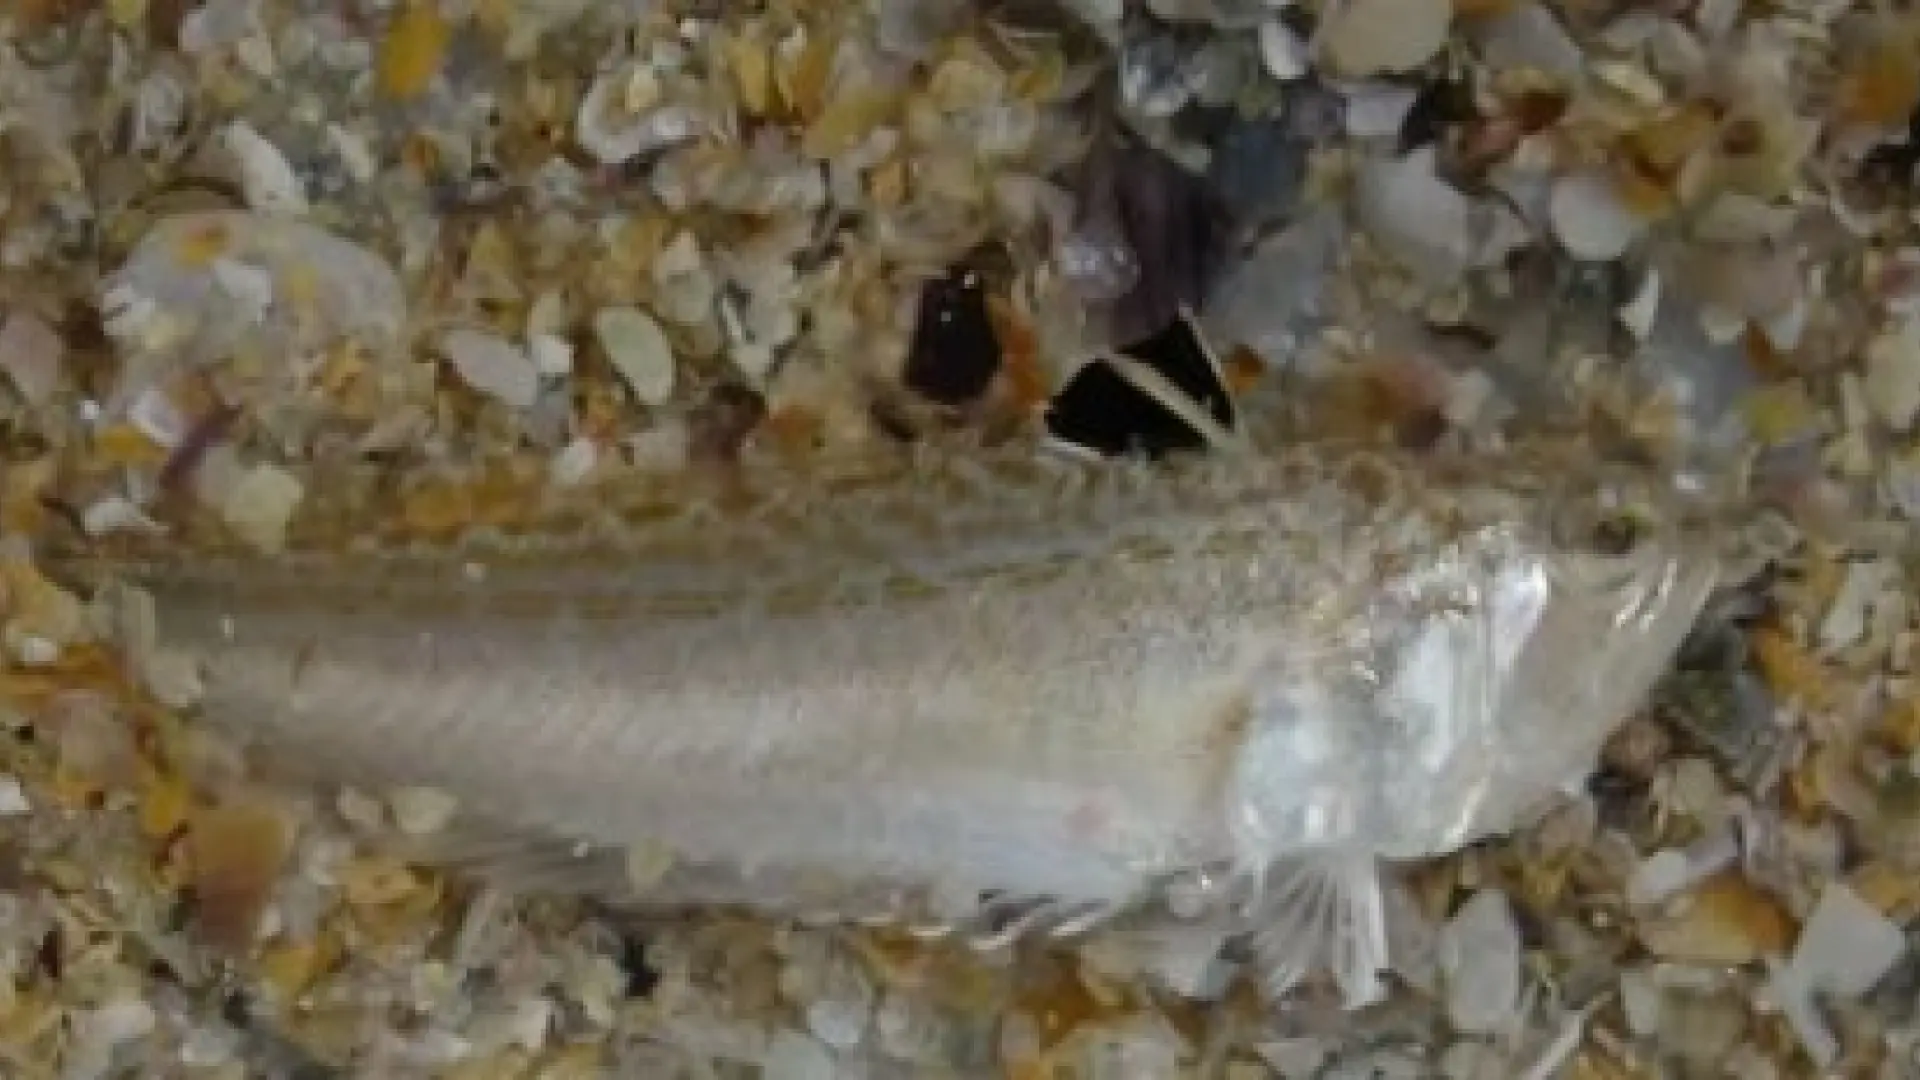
684, 284
267, 179
1284, 55
421, 811
1845, 948
622, 117
1369, 37
1637, 314
1416, 215
1376, 108
575, 461
13, 799
552, 355
115, 513
1530, 37
1589, 219
1480, 955
639, 350
1892, 378
30, 354
172, 304
259, 505
493, 366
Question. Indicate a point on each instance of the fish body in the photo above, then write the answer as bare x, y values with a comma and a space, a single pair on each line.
998, 676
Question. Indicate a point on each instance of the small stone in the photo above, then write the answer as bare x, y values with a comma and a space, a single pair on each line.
413, 51
421, 811
30, 354
1480, 954
575, 462
793, 1056
13, 799
955, 353
1726, 921
267, 179
97, 1031
1371, 37
639, 350
493, 366
1282, 52
552, 355
1589, 219
1846, 946
237, 851
260, 504
1892, 381
1637, 315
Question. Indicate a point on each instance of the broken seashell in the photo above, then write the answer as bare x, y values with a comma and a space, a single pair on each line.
1589, 219
267, 179
619, 120
1284, 55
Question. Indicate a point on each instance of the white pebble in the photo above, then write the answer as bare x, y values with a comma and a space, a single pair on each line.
793, 1056
663, 448
1589, 219
259, 506
114, 1023
158, 418
116, 513
552, 355
421, 811
1637, 315
1282, 51
1892, 379
30, 354
1480, 955
574, 462
31, 650
250, 287
639, 350
13, 799
493, 366
1368, 37
267, 179
353, 152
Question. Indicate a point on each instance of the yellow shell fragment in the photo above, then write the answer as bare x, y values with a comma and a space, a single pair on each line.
238, 849
1723, 921
803, 74
165, 803
749, 62
413, 51
1881, 87
851, 118
375, 881
1790, 671
289, 968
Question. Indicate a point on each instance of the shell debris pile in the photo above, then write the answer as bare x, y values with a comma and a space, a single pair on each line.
244, 241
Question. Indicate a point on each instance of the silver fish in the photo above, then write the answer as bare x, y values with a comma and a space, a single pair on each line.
956, 677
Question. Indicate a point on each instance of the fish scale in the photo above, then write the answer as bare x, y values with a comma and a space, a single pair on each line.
1023, 678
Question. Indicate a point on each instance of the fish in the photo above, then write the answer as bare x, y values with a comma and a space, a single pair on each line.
926, 682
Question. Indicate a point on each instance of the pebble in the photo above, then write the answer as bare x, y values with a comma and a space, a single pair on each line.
1589, 220
1892, 378
1371, 37
493, 366
13, 800
421, 811
260, 504
639, 350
